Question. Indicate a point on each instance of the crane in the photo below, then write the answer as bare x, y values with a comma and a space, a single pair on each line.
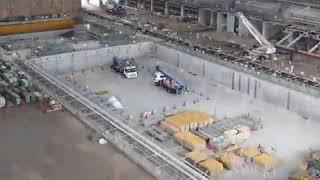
266, 48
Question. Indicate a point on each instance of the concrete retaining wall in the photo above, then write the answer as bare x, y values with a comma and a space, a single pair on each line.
76, 61
255, 87
306, 105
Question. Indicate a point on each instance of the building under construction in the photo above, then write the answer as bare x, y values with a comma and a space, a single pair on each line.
193, 89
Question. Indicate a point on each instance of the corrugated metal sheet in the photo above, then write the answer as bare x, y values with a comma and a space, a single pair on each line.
27, 8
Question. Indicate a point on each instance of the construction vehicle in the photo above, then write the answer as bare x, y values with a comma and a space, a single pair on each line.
162, 78
13, 97
265, 49
116, 10
125, 66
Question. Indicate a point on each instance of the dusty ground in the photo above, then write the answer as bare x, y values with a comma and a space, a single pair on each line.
54, 146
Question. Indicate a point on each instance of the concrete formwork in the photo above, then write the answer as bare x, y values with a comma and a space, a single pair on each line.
253, 86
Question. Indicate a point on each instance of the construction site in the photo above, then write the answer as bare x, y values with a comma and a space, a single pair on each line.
160, 89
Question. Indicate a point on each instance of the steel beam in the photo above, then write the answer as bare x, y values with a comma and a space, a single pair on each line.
314, 47
284, 38
295, 40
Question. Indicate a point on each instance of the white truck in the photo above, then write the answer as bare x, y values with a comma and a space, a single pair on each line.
162, 78
125, 66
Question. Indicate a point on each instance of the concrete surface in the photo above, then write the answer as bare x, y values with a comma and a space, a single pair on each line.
290, 134
232, 93
289, 96
36, 146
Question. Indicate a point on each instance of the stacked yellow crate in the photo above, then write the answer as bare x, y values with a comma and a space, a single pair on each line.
231, 161
196, 156
212, 166
249, 153
187, 120
190, 141
266, 161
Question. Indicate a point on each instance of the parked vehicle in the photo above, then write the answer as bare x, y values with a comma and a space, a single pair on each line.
125, 66
162, 78
116, 10
2, 102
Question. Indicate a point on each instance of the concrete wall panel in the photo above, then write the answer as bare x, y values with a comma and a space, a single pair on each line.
255, 87
284, 97
76, 61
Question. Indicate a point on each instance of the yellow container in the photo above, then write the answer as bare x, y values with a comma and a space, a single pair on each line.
266, 161
212, 166
301, 175
196, 156
101, 93
231, 161
189, 120
249, 152
190, 141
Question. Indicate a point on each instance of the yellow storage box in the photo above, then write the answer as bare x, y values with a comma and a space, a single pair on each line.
266, 161
231, 161
301, 175
188, 120
196, 156
190, 141
212, 166
249, 152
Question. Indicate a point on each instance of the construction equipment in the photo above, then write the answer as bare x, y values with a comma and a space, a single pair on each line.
48, 104
265, 49
2, 102
162, 78
125, 66
115, 9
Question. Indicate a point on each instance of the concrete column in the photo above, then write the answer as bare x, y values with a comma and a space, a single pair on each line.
201, 16
182, 11
242, 30
125, 2
219, 21
143, 4
264, 29
230, 23
151, 6
166, 8
212, 19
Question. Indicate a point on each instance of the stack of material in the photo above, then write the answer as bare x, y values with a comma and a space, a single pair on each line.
190, 141
219, 142
187, 120
212, 166
231, 161
248, 153
240, 134
196, 156
266, 161
313, 164
301, 175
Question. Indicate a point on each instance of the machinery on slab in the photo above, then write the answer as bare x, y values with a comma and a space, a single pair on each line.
162, 78
125, 66
265, 49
